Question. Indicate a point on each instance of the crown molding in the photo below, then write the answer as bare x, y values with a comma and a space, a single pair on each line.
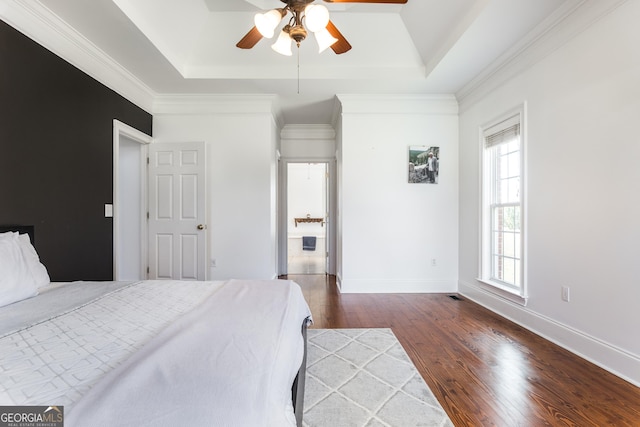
572, 18
397, 104
45, 28
307, 132
214, 104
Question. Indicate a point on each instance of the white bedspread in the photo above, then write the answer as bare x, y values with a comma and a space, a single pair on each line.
227, 357
55, 357
229, 362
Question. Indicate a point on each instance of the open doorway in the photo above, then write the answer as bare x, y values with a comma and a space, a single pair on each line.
307, 213
129, 202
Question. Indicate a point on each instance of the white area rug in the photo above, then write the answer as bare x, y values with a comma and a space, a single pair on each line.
364, 378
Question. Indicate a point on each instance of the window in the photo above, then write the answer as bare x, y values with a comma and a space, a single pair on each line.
502, 201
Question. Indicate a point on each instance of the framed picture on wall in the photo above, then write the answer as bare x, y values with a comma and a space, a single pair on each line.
424, 164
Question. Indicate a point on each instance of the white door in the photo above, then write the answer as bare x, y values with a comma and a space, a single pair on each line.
177, 229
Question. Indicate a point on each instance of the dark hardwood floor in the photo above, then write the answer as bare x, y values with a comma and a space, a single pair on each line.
484, 369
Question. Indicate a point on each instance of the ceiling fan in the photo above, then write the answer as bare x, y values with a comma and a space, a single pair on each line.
316, 20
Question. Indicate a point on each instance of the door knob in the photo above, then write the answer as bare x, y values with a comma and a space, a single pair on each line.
201, 226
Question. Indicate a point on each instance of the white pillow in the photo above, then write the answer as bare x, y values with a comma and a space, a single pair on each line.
16, 281
37, 269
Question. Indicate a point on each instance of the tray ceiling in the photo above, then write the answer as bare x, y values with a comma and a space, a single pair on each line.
422, 47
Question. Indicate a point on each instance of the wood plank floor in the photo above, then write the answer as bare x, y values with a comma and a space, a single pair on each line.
484, 369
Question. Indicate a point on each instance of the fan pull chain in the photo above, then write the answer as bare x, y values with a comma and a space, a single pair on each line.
298, 70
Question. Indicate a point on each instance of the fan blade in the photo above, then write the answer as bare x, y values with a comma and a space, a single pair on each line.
250, 39
367, 1
342, 45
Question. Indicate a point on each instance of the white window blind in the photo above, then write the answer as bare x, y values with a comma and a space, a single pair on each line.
502, 132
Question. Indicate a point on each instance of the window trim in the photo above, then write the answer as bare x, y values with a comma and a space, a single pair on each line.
518, 295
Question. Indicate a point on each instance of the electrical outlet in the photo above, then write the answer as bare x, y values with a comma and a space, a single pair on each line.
433, 262
213, 262
565, 293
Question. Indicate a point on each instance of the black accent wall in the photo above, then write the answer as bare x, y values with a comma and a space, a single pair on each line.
56, 156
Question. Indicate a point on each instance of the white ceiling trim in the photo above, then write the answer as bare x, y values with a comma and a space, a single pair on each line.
286, 72
567, 22
308, 132
214, 104
45, 28
398, 104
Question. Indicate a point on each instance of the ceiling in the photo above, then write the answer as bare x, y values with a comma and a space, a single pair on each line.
422, 47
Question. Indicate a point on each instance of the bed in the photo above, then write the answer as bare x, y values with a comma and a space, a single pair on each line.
154, 353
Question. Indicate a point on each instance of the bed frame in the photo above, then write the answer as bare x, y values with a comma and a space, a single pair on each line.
297, 390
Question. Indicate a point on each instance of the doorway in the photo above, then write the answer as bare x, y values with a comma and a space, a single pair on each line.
307, 215
129, 202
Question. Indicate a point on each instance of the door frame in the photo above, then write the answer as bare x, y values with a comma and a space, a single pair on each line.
283, 252
121, 130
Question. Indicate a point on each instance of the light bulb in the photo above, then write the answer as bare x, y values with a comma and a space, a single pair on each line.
283, 44
267, 22
324, 39
316, 17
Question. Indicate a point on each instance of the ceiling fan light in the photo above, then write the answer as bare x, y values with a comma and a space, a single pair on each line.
283, 44
325, 39
267, 22
316, 17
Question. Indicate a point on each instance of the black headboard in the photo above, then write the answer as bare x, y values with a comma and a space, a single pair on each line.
22, 229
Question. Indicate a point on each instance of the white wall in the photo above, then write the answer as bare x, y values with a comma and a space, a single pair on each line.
583, 202
241, 185
391, 230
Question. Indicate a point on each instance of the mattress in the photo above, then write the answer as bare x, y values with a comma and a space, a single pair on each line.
156, 352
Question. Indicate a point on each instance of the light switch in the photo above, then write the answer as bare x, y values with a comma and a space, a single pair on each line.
108, 210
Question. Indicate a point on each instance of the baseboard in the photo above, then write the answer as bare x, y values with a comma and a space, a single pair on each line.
374, 286
615, 360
